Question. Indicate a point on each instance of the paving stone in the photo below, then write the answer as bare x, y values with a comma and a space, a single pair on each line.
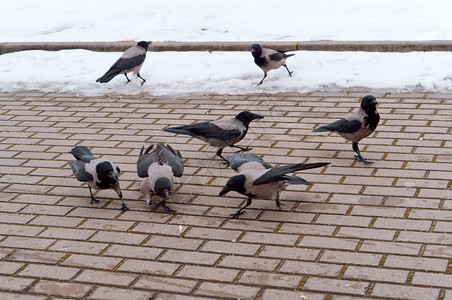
390, 247
112, 293
15, 284
208, 273
226, 290
102, 277
250, 263
310, 268
149, 267
376, 274
64, 289
230, 248
46, 257
52, 272
190, 257
404, 292
336, 286
416, 263
165, 284
90, 261
351, 258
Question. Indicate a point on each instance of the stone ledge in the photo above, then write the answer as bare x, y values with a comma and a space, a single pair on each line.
325, 45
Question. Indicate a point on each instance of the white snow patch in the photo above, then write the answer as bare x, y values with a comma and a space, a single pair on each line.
175, 73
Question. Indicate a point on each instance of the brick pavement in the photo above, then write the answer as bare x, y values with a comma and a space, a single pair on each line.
376, 231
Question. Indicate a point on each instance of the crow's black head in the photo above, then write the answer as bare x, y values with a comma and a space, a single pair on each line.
162, 187
144, 44
256, 50
106, 175
236, 183
246, 117
369, 103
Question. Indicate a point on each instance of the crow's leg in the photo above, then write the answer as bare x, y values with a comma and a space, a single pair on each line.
144, 80
168, 210
219, 151
241, 148
128, 80
93, 200
278, 204
240, 211
265, 75
290, 72
359, 157
123, 207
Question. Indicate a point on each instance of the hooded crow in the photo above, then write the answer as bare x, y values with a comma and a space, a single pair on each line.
221, 133
357, 126
157, 169
130, 61
98, 173
258, 179
268, 59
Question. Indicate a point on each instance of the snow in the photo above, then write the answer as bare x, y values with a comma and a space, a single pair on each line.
232, 20
174, 73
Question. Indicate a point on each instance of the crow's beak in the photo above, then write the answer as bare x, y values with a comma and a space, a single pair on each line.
256, 116
112, 178
374, 101
225, 190
166, 193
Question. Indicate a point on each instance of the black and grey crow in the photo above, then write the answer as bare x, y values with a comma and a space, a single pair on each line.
357, 126
130, 61
98, 173
268, 59
221, 133
258, 179
157, 169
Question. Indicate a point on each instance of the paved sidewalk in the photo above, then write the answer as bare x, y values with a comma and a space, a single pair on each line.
375, 231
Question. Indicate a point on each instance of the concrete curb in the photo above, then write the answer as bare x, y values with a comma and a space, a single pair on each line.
367, 46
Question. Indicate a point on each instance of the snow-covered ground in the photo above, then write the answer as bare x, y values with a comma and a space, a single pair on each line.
233, 20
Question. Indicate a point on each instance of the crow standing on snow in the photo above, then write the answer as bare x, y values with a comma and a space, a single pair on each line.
357, 126
98, 173
258, 179
157, 169
130, 61
268, 59
221, 133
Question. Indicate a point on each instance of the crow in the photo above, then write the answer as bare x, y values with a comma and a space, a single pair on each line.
221, 133
98, 173
268, 59
258, 179
130, 61
357, 126
157, 169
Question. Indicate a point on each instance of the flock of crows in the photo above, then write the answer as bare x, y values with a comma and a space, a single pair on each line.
255, 179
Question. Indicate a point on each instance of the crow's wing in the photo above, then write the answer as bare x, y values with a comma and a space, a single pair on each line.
123, 64
277, 56
145, 159
82, 153
206, 130
131, 58
78, 168
172, 158
342, 125
277, 174
237, 160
